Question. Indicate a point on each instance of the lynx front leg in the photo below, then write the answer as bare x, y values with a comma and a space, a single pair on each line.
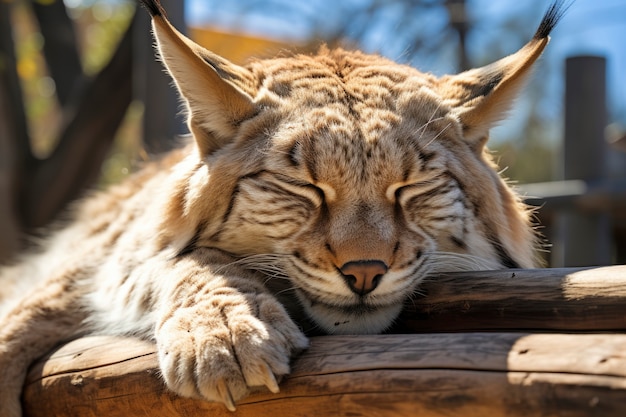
45, 317
220, 335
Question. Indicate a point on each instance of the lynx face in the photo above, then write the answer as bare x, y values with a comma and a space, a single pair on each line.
355, 188
354, 178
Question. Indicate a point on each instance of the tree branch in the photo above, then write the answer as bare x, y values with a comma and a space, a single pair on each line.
60, 48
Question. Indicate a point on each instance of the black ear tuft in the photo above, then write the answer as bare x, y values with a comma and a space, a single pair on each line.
554, 13
487, 83
153, 7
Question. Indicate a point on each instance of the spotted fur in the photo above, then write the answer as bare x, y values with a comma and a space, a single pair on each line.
316, 194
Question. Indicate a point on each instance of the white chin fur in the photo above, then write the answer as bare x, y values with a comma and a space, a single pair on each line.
335, 321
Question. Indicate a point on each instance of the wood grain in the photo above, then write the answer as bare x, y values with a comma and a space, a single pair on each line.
474, 374
558, 299
430, 372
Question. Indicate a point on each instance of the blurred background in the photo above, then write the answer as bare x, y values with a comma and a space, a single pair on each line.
82, 99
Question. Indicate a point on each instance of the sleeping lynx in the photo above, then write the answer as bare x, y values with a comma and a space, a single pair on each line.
318, 190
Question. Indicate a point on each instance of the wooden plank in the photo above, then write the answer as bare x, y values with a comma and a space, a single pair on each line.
470, 374
564, 299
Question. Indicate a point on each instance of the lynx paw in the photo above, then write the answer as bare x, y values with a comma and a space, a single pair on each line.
218, 349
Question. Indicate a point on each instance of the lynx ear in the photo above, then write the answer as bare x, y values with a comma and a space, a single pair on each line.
210, 85
483, 95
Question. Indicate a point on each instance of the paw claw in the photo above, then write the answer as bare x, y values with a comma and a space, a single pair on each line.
227, 397
270, 380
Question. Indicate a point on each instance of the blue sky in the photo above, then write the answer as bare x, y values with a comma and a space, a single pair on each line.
596, 27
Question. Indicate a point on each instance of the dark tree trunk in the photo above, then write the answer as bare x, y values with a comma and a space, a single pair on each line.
33, 191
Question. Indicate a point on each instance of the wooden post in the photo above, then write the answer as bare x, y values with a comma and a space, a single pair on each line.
162, 120
584, 238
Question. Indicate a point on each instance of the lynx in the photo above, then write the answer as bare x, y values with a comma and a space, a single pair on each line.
315, 195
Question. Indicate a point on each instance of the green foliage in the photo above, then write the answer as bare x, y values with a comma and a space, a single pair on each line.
42, 112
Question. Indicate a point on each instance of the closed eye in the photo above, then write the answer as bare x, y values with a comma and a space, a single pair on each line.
395, 191
299, 186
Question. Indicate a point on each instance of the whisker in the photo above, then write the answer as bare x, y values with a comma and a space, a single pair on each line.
431, 119
437, 135
270, 264
286, 290
456, 262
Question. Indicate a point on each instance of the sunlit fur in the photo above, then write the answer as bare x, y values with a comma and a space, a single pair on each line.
296, 167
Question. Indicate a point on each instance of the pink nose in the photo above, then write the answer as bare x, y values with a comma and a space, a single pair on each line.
363, 276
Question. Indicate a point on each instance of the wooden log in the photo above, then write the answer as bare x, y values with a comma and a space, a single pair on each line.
564, 299
469, 374
431, 374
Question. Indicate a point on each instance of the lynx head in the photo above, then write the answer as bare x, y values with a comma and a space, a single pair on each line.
350, 175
